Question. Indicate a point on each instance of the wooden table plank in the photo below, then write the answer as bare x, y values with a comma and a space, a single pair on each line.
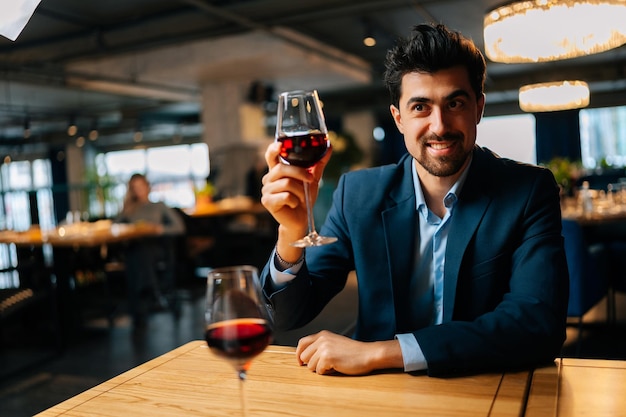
510, 400
578, 387
544, 391
592, 388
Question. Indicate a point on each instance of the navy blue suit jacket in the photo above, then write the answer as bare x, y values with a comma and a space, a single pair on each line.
505, 276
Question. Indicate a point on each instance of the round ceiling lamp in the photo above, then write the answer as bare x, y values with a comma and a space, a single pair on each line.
554, 96
548, 30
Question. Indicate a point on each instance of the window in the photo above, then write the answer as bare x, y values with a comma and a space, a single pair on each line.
603, 137
21, 184
175, 172
509, 136
18, 180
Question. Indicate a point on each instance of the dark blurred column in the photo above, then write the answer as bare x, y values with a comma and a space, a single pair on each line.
34, 207
557, 134
60, 193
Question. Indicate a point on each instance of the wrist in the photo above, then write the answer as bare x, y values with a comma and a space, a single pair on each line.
283, 265
288, 255
286, 251
387, 354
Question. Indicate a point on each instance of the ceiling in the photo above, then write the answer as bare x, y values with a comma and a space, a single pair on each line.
123, 65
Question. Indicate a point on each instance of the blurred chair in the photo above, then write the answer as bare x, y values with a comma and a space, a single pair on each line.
587, 273
617, 275
151, 275
29, 327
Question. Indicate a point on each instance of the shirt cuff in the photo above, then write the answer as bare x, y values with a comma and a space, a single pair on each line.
412, 355
280, 278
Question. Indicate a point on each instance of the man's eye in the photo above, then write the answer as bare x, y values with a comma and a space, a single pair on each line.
455, 105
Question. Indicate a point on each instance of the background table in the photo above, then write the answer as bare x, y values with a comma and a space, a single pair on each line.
232, 231
78, 264
99, 233
191, 381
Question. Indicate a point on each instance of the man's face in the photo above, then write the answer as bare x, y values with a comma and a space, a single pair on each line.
437, 115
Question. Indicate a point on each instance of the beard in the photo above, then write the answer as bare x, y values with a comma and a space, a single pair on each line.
447, 165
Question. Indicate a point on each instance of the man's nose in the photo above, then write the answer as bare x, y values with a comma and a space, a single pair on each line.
438, 121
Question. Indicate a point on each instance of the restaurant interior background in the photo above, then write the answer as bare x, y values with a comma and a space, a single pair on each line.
184, 91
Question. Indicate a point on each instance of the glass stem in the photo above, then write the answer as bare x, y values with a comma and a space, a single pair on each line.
242, 392
309, 209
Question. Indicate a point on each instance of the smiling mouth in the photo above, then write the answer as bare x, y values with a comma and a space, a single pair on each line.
440, 145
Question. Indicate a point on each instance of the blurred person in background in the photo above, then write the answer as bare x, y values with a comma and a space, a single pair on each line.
149, 261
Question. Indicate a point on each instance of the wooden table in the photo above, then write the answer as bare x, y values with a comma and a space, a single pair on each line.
191, 381
81, 234
578, 387
222, 210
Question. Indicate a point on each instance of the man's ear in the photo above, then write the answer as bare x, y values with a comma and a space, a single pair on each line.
480, 108
395, 113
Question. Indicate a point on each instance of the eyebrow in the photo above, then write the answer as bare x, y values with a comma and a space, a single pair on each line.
453, 95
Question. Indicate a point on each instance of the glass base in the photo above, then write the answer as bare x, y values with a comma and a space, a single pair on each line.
313, 239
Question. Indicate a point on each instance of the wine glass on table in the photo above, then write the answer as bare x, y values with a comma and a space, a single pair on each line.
302, 132
238, 326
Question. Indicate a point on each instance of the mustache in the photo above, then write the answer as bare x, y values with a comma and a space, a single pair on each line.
431, 137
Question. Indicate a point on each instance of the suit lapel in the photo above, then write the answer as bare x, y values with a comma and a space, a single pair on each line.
399, 227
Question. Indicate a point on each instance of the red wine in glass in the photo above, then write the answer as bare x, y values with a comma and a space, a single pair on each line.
303, 150
238, 340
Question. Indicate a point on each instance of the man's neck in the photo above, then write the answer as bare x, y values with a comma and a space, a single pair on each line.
435, 188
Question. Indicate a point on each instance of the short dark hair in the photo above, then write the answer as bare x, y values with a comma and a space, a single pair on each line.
430, 48
138, 176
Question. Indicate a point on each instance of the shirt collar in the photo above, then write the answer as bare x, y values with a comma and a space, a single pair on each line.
451, 196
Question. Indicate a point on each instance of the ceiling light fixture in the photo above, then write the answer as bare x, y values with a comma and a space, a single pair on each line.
548, 30
72, 129
554, 96
368, 39
93, 133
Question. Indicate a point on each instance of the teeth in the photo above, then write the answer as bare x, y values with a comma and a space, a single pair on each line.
438, 145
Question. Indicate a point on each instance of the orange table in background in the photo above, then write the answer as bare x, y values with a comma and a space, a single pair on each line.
81, 234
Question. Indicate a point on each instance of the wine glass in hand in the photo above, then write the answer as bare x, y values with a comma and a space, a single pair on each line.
301, 129
237, 322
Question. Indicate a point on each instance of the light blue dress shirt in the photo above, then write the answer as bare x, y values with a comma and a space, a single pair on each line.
427, 283
428, 265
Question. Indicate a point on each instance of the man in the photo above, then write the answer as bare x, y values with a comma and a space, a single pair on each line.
458, 253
